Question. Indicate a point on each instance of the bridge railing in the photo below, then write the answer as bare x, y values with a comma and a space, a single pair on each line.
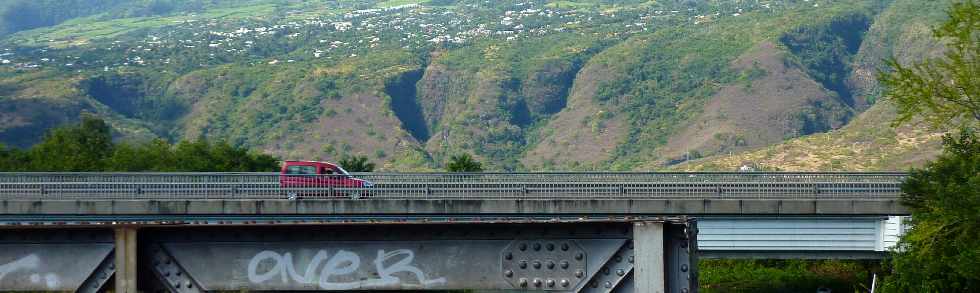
54, 186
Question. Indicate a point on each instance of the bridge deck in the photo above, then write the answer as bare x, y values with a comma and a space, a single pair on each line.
486, 186
453, 194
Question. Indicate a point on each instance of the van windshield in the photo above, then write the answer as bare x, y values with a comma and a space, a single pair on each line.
342, 171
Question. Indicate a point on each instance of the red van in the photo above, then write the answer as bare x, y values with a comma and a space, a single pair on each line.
319, 175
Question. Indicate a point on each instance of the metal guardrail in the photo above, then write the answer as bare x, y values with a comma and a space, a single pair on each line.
74, 186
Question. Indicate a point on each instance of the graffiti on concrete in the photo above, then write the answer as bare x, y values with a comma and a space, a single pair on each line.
29, 263
386, 265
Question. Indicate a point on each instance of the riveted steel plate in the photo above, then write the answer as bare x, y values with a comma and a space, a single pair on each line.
169, 272
613, 272
544, 264
100, 276
681, 257
49, 267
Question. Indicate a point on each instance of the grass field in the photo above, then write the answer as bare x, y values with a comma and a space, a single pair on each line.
587, 5
83, 30
393, 3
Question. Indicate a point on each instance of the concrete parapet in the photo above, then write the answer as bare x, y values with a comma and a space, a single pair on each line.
797, 207
836, 207
455, 206
760, 206
722, 206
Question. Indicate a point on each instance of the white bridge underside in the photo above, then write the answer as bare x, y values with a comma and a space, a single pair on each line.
798, 237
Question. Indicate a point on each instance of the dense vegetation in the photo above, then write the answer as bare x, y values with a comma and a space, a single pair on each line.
943, 91
356, 164
530, 85
785, 275
826, 52
88, 147
941, 253
463, 163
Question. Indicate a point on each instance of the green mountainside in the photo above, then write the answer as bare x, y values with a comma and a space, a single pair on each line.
867, 143
522, 85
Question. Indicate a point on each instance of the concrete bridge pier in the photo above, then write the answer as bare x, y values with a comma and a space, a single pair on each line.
125, 259
649, 275
666, 258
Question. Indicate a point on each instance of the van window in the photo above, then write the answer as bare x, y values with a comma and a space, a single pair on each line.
300, 170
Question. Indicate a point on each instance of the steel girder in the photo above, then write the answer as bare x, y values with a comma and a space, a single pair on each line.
594, 257
48, 260
557, 257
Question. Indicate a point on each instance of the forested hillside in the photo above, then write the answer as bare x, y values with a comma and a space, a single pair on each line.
521, 85
867, 143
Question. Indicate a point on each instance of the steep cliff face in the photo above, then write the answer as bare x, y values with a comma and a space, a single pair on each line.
480, 120
493, 108
546, 88
403, 91
437, 85
826, 51
585, 133
902, 31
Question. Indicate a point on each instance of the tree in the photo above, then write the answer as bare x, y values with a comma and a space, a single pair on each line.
156, 155
187, 156
463, 163
73, 148
356, 164
941, 253
203, 156
88, 147
12, 159
944, 91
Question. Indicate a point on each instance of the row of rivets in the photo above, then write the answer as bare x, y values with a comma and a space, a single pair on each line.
537, 264
537, 282
537, 246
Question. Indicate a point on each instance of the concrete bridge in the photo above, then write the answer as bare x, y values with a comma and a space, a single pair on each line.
567, 232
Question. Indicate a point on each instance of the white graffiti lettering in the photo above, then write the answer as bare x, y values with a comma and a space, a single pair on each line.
29, 263
341, 263
403, 265
253, 266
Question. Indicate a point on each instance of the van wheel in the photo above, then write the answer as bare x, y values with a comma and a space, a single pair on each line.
356, 195
292, 196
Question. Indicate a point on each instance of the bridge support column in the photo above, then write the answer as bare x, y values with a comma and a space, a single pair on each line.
648, 239
125, 259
